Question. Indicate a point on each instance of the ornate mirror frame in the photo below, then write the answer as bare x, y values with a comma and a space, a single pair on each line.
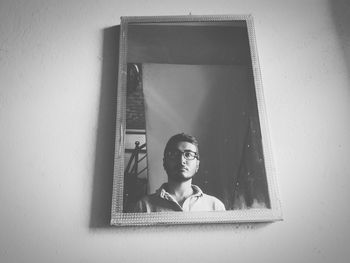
253, 214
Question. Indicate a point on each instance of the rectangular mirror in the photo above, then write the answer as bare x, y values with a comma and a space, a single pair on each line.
194, 79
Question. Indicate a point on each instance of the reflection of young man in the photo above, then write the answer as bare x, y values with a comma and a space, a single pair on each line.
181, 163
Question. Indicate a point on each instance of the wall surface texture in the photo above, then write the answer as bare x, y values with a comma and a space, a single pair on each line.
58, 64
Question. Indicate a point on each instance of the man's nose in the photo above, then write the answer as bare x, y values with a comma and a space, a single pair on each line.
183, 159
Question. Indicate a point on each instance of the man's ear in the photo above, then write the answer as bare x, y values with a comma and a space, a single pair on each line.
197, 166
164, 164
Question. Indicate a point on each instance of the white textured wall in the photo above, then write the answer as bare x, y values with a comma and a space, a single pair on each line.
57, 78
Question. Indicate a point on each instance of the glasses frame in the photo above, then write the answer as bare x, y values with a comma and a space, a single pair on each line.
196, 156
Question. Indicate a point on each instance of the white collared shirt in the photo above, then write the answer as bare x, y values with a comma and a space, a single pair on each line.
162, 201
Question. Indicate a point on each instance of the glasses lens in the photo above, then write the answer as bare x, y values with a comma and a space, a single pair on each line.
189, 155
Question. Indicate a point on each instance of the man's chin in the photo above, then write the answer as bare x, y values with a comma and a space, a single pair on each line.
180, 177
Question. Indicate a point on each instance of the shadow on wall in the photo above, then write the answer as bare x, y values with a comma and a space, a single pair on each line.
341, 16
101, 201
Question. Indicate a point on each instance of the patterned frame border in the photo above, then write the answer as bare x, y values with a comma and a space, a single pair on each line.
119, 218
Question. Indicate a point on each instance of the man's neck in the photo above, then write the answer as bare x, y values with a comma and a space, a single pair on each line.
180, 190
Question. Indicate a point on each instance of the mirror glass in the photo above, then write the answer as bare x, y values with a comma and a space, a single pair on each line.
196, 78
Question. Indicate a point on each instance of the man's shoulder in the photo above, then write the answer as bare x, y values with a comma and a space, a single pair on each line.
216, 202
211, 198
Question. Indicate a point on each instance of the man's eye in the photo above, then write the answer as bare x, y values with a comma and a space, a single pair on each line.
188, 154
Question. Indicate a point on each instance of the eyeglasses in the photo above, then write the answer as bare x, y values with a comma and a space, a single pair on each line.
188, 155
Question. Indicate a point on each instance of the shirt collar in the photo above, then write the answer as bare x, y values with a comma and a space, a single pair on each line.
161, 192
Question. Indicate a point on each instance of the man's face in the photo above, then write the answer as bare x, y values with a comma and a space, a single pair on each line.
178, 167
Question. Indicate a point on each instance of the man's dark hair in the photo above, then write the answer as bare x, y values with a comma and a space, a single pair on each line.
181, 137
